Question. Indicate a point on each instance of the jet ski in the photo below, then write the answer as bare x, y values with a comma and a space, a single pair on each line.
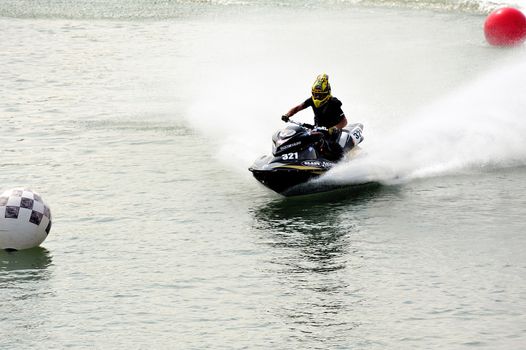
300, 153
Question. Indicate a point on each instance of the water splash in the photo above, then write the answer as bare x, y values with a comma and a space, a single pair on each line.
478, 126
238, 95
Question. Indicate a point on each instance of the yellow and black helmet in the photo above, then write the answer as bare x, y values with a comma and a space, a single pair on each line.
321, 90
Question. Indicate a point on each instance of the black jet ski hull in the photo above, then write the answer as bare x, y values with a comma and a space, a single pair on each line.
283, 179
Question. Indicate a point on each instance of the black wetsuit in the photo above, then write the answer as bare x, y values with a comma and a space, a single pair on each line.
329, 115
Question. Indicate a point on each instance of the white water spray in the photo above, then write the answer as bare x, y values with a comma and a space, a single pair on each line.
480, 125
241, 93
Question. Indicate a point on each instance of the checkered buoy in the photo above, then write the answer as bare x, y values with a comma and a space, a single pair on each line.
25, 220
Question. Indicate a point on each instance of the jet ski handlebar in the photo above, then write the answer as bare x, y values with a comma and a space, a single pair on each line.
304, 125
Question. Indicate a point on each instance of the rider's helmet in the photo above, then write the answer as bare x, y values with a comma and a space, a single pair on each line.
321, 90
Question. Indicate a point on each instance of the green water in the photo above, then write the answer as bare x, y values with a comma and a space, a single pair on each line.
139, 133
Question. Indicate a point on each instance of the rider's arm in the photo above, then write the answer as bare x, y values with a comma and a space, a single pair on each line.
338, 126
296, 109
342, 123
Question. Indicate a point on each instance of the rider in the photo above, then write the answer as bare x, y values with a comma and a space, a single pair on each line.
327, 111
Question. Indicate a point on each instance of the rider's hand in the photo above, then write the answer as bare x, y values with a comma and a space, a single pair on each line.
333, 130
285, 118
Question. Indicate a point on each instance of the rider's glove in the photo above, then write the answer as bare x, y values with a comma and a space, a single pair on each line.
333, 130
285, 118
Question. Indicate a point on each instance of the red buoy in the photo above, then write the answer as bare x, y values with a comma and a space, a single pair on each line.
505, 27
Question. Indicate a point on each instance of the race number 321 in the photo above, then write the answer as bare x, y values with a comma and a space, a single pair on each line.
290, 156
